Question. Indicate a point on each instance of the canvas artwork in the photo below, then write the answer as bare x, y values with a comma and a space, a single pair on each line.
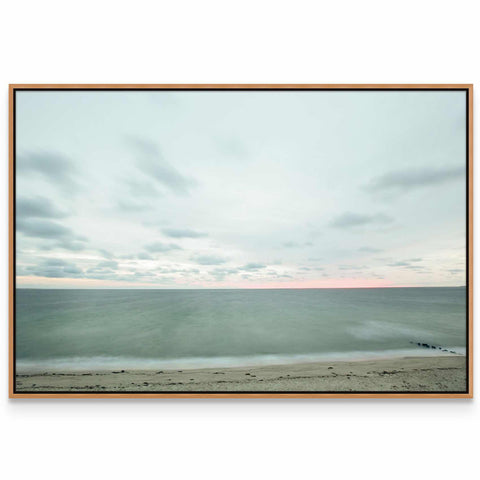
240, 241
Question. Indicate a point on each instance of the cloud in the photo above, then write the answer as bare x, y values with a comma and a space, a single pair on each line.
225, 271
54, 262
209, 260
142, 188
42, 229
159, 247
37, 207
253, 267
455, 271
404, 180
290, 244
62, 237
182, 233
101, 273
72, 245
126, 257
151, 162
221, 273
369, 250
54, 167
351, 267
108, 264
105, 253
53, 268
128, 206
144, 256
398, 264
349, 220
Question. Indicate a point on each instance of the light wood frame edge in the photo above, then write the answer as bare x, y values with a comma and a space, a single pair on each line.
468, 87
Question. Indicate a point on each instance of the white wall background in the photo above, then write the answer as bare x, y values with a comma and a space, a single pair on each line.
227, 42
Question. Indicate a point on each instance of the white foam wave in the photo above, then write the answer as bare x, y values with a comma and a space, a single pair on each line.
131, 363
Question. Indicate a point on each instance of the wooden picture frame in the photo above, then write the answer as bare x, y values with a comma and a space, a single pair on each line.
467, 88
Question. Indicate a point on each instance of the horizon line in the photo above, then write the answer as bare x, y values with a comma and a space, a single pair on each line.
222, 288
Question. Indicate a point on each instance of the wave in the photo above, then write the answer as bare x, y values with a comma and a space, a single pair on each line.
104, 363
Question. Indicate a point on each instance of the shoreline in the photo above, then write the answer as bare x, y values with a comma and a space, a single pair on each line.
442, 373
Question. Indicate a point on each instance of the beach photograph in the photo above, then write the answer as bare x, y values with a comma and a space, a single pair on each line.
241, 241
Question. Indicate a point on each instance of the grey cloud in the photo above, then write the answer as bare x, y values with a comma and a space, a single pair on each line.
52, 166
144, 274
72, 245
351, 267
62, 237
253, 266
108, 264
55, 262
398, 264
142, 188
101, 274
225, 270
144, 256
221, 273
151, 162
54, 268
182, 233
209, 260
349, 220
296, 244
126, 257
132, 206
415, 178
159, 247
42, 228
37, 207
72, 270
105, 253
369, 250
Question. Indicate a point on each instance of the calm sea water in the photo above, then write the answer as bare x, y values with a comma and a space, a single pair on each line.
81, 329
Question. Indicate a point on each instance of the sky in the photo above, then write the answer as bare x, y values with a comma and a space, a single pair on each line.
240, 189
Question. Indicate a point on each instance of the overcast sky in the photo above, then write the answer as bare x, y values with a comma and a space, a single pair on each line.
240, 189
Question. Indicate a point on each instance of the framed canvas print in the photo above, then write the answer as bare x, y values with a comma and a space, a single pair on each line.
241, 241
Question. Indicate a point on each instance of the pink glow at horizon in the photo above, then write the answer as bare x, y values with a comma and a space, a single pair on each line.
30, 281
330, 283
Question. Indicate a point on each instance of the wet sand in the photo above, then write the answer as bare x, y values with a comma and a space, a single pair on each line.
407, 374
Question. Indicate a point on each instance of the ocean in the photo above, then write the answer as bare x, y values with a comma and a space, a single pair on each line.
144, 329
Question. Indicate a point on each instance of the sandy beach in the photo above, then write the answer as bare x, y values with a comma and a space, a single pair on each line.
407, 374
